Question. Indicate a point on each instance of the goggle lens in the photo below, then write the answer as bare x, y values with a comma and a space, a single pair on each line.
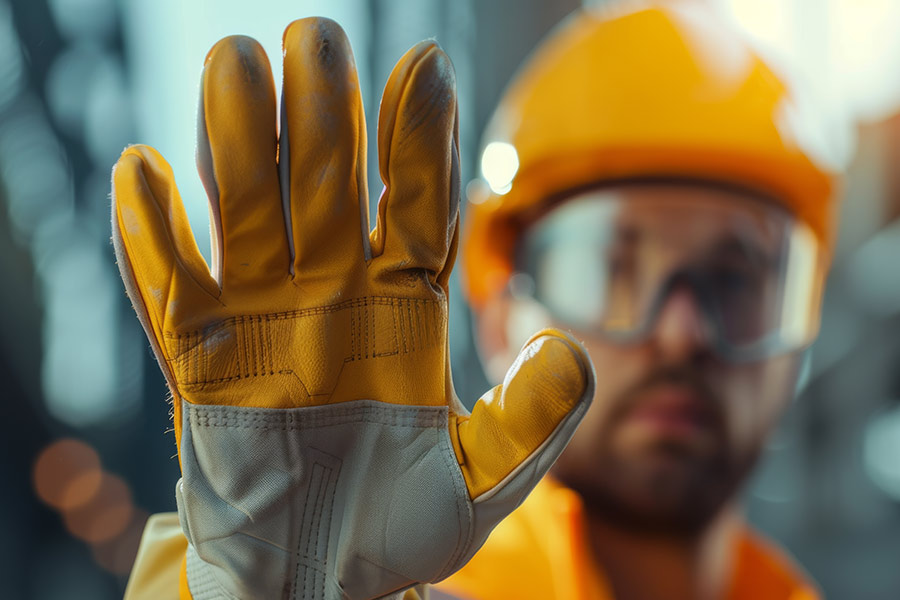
606, 265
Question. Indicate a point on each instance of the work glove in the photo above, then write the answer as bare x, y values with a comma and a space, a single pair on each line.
323, 451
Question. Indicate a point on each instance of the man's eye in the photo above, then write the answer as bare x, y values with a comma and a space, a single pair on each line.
620, 263
733, 279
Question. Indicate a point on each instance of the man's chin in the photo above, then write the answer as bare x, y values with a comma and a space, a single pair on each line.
651, 516
662, 494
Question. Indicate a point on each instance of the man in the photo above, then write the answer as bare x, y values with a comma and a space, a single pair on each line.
663, 209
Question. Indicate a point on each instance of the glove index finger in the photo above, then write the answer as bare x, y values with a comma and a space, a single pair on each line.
164, 274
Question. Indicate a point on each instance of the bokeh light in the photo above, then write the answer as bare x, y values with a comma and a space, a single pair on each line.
499, 165
96, 507
67, 474
105, 515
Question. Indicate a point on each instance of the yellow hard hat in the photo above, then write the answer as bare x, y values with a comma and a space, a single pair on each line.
667, 91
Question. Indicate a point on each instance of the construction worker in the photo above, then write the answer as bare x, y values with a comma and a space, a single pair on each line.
652, 193
656, 189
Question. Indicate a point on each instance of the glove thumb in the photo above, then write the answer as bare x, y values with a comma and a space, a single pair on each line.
518, 429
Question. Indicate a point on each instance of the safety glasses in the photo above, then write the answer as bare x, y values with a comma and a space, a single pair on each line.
606, 264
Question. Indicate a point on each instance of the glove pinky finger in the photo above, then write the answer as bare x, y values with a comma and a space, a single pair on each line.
165, 276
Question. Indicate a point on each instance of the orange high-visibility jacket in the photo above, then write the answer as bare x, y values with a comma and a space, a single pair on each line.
537, 552
540, 551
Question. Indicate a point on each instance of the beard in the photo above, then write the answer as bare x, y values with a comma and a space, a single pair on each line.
654, 499
660, 486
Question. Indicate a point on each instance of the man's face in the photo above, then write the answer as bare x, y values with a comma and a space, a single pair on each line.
672, 431
674, 428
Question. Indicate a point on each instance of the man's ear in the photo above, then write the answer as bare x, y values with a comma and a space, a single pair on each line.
502, 326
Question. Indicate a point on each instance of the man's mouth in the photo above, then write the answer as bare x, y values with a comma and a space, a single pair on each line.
672, 412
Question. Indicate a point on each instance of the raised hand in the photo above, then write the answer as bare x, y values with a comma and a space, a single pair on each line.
324, 453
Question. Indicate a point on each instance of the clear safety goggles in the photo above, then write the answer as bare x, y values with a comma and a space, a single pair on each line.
607, 266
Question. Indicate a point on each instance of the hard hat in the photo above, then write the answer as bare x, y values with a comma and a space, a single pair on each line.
666, 91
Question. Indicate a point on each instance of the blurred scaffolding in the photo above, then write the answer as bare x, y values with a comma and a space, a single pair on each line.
87, 457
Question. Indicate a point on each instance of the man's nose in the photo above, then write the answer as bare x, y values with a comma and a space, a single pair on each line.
682, 330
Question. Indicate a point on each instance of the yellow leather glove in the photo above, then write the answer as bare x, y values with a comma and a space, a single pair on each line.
323, 451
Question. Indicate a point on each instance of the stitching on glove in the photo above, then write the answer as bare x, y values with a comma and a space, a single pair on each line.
303, 312
249, 352
363, 411
366, 315
397, 327
354, 343
410, 333
308, 558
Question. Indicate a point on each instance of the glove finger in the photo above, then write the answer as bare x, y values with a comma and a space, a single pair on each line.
418, 150
165, 275
236, 157
322, 158
517, 430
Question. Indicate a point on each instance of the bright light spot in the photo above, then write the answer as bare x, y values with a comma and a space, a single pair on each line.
844, 47
499, 164
881, 449
765, 20
864, 54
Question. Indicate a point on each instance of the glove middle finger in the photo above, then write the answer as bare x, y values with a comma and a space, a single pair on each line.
323, 159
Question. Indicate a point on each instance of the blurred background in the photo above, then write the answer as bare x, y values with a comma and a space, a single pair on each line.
87, 452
